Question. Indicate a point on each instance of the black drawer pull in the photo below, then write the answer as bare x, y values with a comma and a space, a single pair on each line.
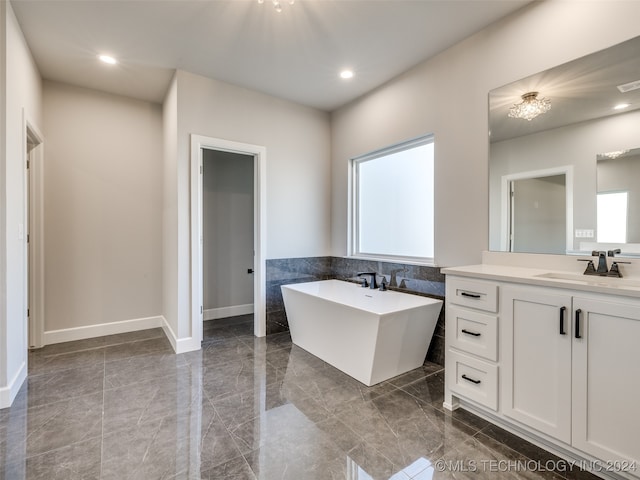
470, 295
474, 334
468, 379
562, 310
578, 312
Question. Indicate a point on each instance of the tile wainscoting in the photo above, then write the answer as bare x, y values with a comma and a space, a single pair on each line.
285, 271
415, 279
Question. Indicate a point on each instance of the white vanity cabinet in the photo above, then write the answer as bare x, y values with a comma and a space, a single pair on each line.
536, 363
606, 379
567, 364
472, 340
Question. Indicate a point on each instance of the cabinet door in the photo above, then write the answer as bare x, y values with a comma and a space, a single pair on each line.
606, 380
536, 358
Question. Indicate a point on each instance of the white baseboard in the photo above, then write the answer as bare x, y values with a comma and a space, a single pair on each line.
91, 331
224, 312
8, 393
180, 345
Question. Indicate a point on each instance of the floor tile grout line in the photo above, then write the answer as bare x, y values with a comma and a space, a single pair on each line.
65, 369
229, 432
105, 360
25, 411
104, 388
42, 351
520, 454
265, 351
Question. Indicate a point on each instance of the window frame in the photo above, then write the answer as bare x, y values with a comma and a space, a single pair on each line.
353, 206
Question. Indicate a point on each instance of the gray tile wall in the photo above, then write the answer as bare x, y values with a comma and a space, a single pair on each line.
285, 271
415, 279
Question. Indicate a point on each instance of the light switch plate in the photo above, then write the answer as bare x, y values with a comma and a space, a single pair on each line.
584, 233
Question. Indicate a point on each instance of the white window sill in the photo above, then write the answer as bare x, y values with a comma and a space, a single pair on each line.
403, 260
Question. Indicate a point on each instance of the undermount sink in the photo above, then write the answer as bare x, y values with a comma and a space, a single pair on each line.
591, 279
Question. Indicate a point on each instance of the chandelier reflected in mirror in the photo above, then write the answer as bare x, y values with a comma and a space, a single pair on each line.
277, 4
530, 107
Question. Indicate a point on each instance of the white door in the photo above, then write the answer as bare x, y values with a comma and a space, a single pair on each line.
536, 351
606, 383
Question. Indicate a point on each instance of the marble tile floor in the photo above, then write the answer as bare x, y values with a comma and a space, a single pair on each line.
126, 407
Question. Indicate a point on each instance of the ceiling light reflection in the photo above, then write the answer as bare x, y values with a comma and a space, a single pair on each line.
107, 59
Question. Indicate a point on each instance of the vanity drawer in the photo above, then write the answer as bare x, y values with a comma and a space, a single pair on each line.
473, 293
472, 378
473, 332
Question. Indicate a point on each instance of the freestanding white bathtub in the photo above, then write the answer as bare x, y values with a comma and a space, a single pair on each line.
368, 334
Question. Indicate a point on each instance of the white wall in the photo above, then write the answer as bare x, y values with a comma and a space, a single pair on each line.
447, 96
23, 98
170, 209
103, 208
576, 145
6, 395
227, 223
297, 141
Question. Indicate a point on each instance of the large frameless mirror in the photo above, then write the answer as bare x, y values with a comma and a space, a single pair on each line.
563, 155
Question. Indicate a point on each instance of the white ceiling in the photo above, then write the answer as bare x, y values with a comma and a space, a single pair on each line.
296, 54
580, 90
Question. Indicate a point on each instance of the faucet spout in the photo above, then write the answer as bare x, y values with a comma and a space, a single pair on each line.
602, 269
372, 283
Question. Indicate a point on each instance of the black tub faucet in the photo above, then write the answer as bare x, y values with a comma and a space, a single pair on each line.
393, 282
372, 283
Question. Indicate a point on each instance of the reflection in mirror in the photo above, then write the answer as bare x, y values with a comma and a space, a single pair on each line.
618, 199
538, 214
559, 148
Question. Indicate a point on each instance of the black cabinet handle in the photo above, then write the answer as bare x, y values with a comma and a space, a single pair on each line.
468, 379
470, 295
474, 334
578, 312
562, 310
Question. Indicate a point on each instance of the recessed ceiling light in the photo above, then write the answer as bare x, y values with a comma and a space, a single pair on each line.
107, 59
621, 106
346, 74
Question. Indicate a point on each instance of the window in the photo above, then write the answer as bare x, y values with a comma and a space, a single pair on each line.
611, 217
392, 202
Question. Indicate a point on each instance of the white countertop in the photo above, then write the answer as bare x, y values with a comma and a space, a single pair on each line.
627, 286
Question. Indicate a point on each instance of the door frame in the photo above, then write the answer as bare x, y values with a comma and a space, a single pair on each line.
34, 247
505, 203
259, 154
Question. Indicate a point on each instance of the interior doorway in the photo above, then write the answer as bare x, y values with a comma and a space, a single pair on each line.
205, 148
538, 215
34, 234
227, 227
537, 211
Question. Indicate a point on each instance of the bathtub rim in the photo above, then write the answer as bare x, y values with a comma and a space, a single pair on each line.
428, 301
